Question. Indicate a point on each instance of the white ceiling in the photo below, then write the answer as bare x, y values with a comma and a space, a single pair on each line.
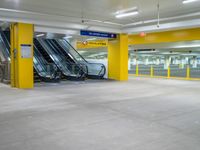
64, 16
195, 45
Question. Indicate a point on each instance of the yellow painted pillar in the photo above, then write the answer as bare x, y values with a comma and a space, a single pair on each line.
22, 55
188, 72
152, 71
137, 70
169, 72
118, 58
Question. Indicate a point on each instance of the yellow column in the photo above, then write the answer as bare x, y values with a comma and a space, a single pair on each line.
118, 58
137, 70
13, 60
188, 72
152, 71
22, 55
168, 72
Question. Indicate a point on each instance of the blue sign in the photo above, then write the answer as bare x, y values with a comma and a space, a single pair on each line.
98, 34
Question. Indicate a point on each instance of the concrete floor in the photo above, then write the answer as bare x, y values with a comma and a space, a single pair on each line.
142, 114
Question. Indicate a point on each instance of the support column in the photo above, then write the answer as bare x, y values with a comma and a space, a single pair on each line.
195, 62
146, 61
22, 55
182, 63
157, 61
167, 62
118, 58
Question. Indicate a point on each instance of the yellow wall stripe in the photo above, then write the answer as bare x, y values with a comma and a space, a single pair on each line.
166, 37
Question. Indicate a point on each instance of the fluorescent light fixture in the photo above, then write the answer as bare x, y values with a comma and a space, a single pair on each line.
128, 14
189, 1
40, 35
67, 37
126, 10
100, 21
112, 23
188, 46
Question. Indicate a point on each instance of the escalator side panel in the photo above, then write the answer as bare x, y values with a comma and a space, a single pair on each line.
70, 71
95, 70
38, 74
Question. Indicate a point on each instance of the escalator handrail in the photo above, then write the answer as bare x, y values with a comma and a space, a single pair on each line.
79, 54
75, 50
7, 42
71, 56
47, 49
7, 48
39, 54
75, 62
80, 66
104, 71
103, 66
42, 64
56, 53
66, 61
61, 63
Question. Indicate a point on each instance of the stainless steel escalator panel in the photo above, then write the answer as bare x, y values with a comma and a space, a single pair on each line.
44, 69
94, 69
39, 63
5, 72
59, 60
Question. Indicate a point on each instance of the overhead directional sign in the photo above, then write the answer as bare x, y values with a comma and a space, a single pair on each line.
91, 44
98, 34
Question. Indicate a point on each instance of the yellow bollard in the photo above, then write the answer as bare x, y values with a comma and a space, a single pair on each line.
168, 72
152, 71
188, 72
137, 70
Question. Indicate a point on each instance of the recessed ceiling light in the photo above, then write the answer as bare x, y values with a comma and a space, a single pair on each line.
189, 1
128, 14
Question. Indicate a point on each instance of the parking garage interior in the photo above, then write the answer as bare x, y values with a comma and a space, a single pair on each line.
78, 78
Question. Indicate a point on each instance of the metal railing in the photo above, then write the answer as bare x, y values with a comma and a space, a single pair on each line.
173, 71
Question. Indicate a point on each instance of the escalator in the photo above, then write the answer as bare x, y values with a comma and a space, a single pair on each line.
47, 71
4, 61
4, 48
68, 56
43, 71
52, 56
94, 70
70, 70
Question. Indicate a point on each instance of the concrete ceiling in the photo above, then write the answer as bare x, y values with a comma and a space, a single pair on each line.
65, 16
